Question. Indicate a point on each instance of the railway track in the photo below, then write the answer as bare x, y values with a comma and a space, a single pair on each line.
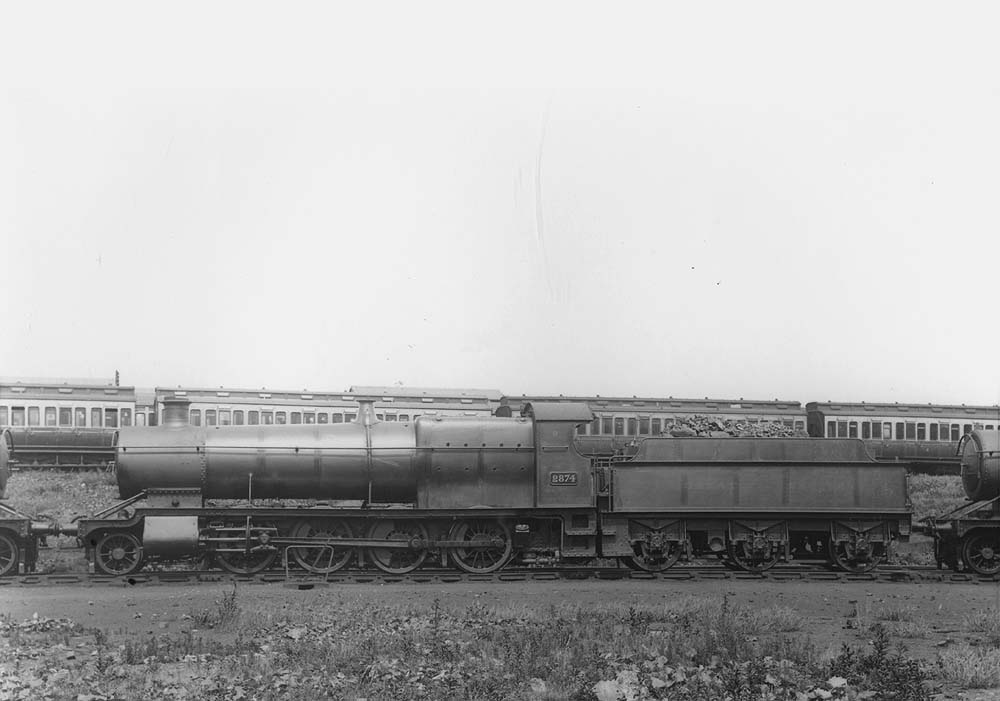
303, 580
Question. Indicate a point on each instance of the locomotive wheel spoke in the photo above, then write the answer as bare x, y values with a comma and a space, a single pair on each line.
239, 559
981, 553
849, 559
742, 554
321, 559
118, 554
650, 560
489, 545
397, 560
9, 555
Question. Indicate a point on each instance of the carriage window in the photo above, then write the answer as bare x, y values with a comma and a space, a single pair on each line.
954, 432
977, 426
900, 432
657, 427
967, 429
866, 429
34, 416
631, 427
619, 425
296, 417
581, 429
322, 417
404, 417
607, 425
280, 417
237, 417
934, 432
337, 418
225, 417
852, 429
644, 427
66, 416
841, 429
921, 432
17, 416
126, 417
349, 418
140, 418
267, 417
876, 429
944, 432
989, 427
81, 416
195, 417
253, 418
309, 417
110, 418
210, 417
50, 416
831, 429
595, 427
390, 417
95, 417
3, 416
911, 430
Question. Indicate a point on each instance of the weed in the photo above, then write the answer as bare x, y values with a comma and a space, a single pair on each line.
890, 676
975, 667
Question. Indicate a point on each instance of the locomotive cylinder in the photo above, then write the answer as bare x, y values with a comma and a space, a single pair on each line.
980, 453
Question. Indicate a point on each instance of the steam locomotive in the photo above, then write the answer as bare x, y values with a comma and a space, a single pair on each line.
481, 493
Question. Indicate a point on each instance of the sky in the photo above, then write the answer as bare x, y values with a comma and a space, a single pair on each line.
757, 200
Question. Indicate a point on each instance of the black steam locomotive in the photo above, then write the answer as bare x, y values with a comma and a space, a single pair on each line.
479, 493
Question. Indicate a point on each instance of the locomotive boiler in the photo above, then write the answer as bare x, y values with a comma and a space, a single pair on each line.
479, 493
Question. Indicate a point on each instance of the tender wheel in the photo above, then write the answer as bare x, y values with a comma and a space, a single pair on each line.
118, 554
754, 555
240, 559
857, 557
398, 560
649, 559
322, 559
981, 552
9, 555
489, 545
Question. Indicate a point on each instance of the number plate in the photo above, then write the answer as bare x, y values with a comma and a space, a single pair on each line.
563, 479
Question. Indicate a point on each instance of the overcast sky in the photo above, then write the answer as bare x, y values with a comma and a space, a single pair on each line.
728, 200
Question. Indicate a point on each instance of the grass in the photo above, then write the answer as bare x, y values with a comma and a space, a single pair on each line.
338, 647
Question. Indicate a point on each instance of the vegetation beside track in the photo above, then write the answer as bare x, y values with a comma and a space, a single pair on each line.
336, 647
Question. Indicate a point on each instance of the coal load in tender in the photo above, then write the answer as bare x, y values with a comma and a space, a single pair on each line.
713, 427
